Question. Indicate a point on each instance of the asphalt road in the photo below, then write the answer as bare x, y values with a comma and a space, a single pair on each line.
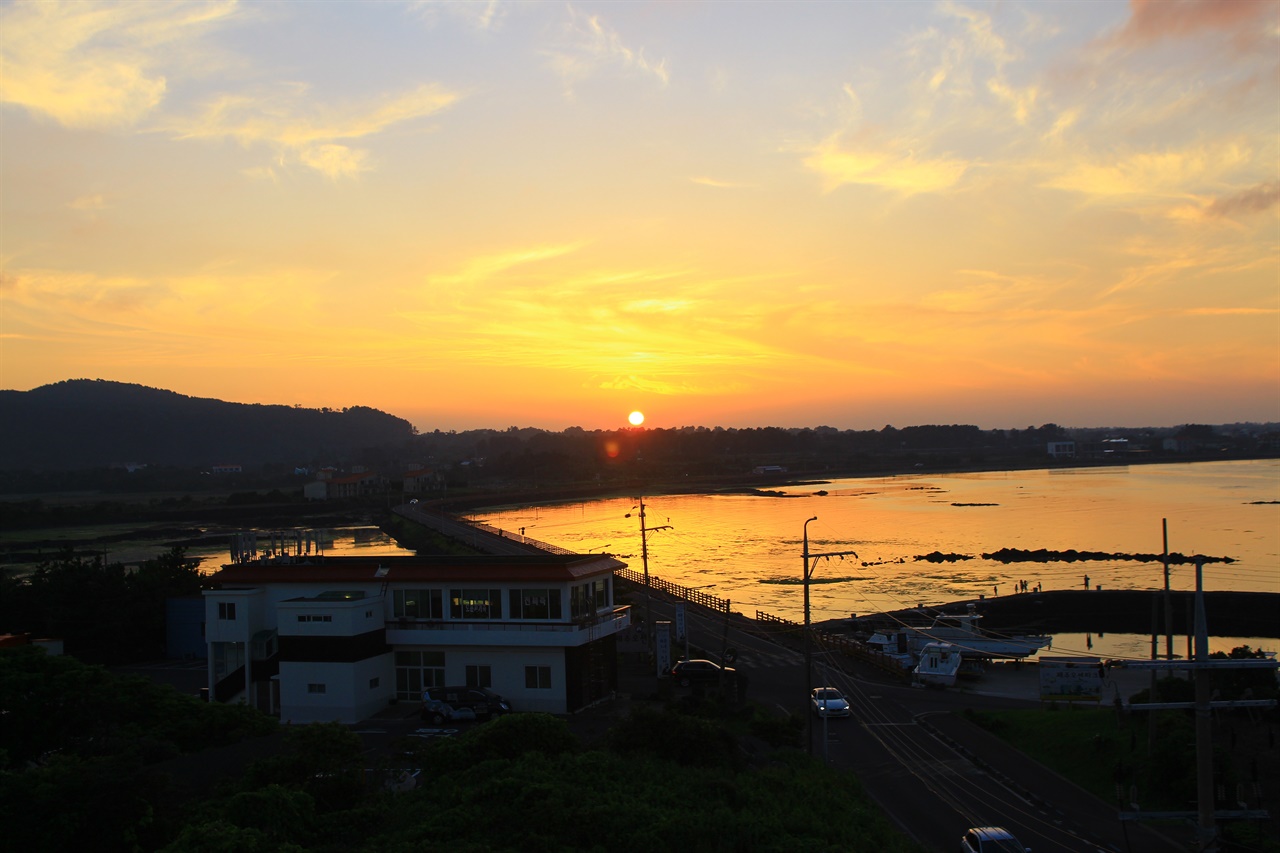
933, 773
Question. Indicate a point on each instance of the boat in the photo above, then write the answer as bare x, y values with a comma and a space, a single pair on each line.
939, 665
906, 642
965, 632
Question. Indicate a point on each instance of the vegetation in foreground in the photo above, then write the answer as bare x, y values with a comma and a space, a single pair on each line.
92, 761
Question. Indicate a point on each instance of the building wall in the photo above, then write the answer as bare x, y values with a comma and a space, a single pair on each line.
352, 691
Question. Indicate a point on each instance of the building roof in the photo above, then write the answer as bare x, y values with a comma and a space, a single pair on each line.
550, 568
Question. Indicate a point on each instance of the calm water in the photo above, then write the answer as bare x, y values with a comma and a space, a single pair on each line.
749, 549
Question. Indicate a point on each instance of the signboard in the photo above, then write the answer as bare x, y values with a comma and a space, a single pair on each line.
680, 634
1071, 678
662, 645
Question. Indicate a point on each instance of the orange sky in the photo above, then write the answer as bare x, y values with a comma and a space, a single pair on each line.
721, 214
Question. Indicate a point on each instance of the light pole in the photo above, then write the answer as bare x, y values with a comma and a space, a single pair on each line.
808, 654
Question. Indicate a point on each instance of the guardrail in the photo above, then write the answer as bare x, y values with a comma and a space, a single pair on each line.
693, 596
824, 641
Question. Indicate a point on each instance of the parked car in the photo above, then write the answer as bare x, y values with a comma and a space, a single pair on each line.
686, 672
991, 839
829, 702
438, 712
481, 701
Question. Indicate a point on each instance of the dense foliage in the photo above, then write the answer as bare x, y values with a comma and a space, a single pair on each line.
86, 756
89, 761
103, 612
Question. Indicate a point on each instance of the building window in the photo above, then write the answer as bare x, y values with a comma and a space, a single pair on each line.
537, 677
475, 604
479, 676
586, 599
227, 610
417, 604
535, 603
315, 688
315, 617
374, 682
416, 671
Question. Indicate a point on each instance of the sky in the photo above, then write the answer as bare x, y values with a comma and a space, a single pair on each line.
737, 214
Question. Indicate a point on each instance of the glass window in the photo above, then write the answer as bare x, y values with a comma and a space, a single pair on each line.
417, 604
416, 671
315, 688
537, 677
479, 676
227, 610
589, 597
475, 604
535, 603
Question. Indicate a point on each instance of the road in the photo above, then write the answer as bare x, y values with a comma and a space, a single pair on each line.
932, 773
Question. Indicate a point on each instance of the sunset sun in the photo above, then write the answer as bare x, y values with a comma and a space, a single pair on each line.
636, 418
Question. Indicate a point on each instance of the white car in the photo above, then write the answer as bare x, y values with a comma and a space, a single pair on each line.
991, 839
829, 702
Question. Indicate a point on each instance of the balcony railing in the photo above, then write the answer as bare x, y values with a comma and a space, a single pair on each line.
616, 619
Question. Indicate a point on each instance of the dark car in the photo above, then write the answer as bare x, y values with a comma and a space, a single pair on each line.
991, 839
686, 672
480, 701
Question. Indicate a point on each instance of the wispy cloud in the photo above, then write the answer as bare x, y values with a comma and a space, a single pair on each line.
724, 185
97, 65
1152, 174
484, 268
479, 14
313, 136
896, 168
590, 44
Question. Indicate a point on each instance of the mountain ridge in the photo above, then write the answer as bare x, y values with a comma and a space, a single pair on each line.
87, 423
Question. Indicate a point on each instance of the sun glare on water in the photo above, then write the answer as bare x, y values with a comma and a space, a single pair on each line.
636, 418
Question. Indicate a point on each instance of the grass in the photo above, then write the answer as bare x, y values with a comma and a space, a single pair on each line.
1105, 752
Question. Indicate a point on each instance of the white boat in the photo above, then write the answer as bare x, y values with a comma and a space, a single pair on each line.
964, 631
939, 665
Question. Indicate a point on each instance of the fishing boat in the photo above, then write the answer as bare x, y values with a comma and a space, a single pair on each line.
964, 631
973, 641
939, 665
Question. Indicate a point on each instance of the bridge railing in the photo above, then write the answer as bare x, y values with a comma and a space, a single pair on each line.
695, 596
828, 642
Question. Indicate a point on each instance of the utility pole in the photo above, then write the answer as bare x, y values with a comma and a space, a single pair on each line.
808, 653
1168, 601
1208, 830
644, 559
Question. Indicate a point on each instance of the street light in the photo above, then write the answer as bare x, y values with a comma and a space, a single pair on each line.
808, 654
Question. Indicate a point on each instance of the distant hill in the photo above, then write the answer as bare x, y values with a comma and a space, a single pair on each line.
86, 423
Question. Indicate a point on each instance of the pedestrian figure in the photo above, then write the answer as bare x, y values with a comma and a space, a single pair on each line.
1086, 581
995, 590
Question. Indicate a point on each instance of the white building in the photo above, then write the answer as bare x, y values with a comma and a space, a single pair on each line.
338, 638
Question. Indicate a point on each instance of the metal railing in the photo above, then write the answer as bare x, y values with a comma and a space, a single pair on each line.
693, 596
847, 646
611, 619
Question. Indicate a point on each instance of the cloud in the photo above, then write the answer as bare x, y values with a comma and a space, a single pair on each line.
1155, 20
1253, 200
900, 170
91, 65
478, 14
1152, 174
88, 203
591, 45
482, 268
712, 182
285, 120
